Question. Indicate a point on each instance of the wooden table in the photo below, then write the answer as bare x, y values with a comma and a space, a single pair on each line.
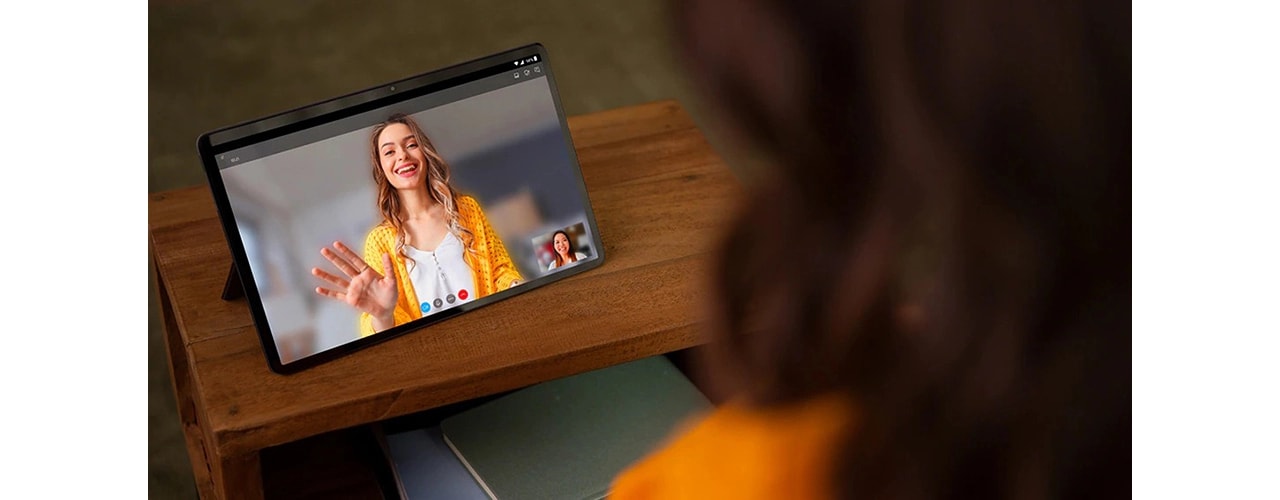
660, 195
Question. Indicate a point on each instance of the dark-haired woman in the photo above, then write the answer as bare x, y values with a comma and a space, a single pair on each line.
929, 296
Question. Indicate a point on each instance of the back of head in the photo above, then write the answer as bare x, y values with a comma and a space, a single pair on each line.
945, 238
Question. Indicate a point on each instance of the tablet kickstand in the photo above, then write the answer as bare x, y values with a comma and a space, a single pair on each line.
233, 289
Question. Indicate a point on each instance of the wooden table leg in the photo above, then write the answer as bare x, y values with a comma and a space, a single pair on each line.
216, 477
180, 374
238, 477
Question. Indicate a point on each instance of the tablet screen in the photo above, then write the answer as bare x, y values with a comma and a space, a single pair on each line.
411, 207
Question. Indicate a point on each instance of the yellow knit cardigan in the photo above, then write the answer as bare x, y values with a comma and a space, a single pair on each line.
490, 265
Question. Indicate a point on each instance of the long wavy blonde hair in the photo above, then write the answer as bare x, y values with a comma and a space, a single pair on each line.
438, 184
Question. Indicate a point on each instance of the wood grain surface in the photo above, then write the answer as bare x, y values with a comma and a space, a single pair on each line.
660, 196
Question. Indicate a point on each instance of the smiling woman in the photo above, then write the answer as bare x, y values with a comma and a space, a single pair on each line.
432, 250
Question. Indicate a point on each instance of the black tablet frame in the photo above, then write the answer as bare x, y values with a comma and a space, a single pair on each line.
230, 138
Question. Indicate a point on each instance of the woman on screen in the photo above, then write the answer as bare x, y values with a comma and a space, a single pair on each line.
565, 253
434, 247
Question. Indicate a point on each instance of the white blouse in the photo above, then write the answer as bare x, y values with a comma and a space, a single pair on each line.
441, 279
579, 255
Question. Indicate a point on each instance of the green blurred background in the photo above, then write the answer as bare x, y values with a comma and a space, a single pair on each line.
213, 64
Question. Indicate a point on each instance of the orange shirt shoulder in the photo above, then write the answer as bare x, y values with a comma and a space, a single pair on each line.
745, 453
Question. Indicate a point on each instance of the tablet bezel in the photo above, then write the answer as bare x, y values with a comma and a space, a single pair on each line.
233, 137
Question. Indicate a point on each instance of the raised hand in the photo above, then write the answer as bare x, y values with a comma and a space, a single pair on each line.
364, 288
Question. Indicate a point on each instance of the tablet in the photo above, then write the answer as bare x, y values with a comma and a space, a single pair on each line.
382, 212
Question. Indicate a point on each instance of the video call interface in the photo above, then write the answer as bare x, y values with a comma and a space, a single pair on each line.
382, 218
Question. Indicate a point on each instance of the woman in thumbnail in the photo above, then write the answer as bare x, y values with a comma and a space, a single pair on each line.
434, 247
564, 253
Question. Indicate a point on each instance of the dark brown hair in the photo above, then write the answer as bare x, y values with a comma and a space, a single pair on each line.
560, 260
959, 176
